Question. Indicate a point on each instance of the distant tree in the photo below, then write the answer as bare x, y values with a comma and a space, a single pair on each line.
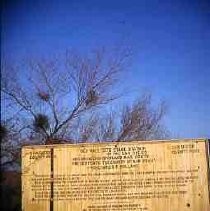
10, 149
139, 121
10, 160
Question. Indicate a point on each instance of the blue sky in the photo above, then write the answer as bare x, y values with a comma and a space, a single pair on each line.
170, 40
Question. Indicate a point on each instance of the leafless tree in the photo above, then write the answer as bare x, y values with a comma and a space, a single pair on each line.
139, 121
55, 93
64, 98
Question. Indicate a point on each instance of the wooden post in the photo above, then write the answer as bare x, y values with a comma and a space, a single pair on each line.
51, 178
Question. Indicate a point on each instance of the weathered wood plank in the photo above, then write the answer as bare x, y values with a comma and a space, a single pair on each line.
123, 176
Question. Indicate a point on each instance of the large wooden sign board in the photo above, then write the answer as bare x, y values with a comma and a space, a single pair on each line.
124, 176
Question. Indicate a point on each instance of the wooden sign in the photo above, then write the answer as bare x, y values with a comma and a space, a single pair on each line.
123, 176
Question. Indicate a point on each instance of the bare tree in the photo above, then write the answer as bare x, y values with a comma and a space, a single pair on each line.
54, 94
64, 98
139, 121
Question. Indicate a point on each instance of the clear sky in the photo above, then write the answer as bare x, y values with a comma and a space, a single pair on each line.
171, 42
